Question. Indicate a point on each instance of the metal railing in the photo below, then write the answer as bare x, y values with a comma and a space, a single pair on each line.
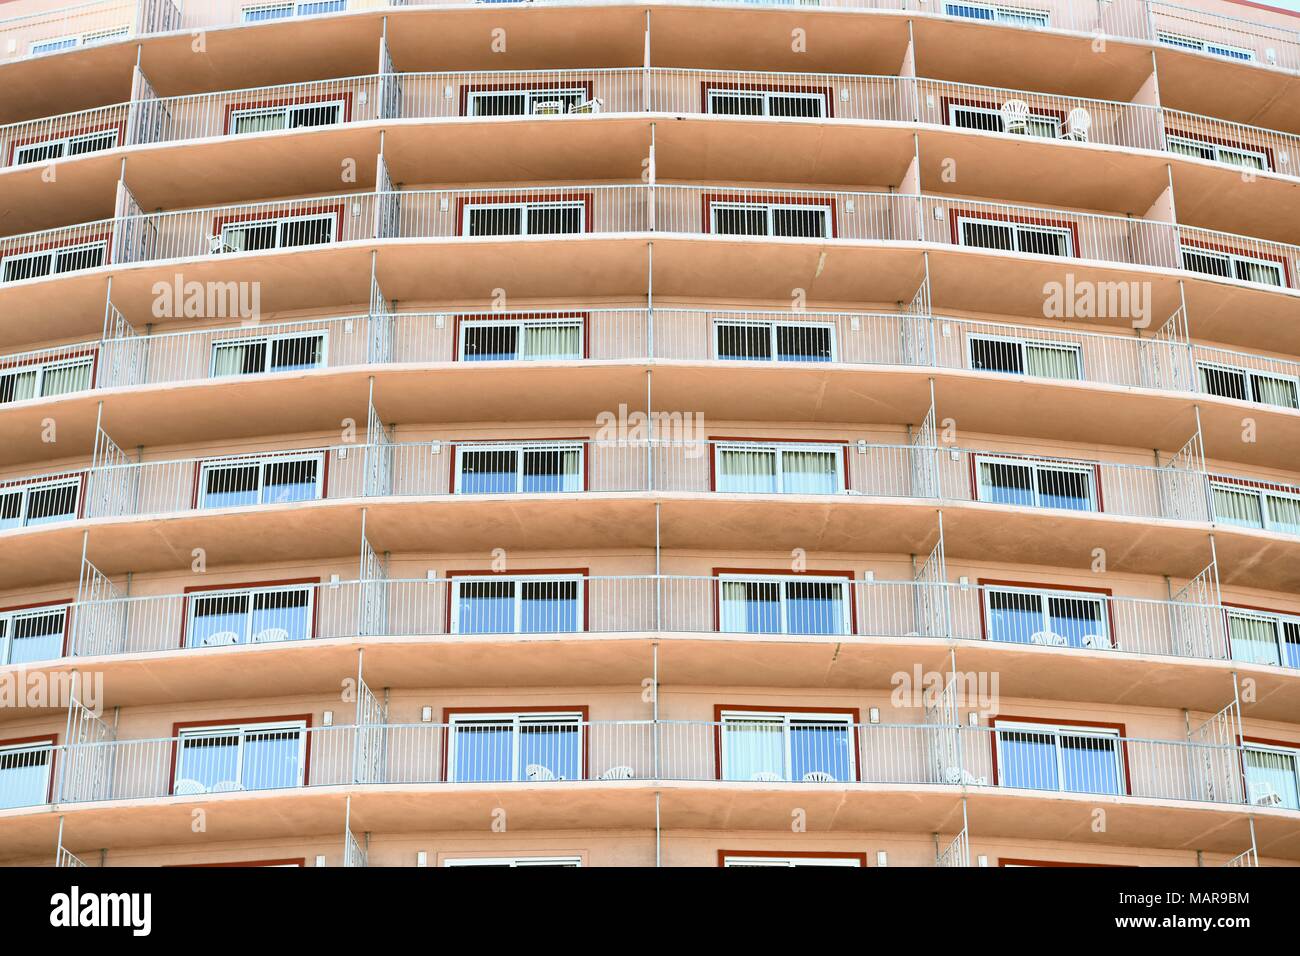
555, 749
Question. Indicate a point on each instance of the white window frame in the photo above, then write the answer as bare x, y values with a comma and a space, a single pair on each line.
1015, 228
1277, 619
1217, 151
49, 748
532, 97
1000, 14
766, 97
779, 448
1035, 465
1044, 595
295, 10
526, 211
53, 255
521, 449
786, 718
66, 143
286, 109
1213, 47
772, 327
42, 368
1232, 258
1021, 345
846, 597
1262, 494
517, 720
1291, 753
515, 861
242, 728
246, 633
1066, 730
260, 461
790, 861
279, 222
267, 340
9, 619
1248, 376
1054, 121
26, 489
89, 38
518, 580
521, 324
768, 208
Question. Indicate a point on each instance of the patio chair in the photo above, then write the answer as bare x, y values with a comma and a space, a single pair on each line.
1262, 794
220, 639
548, 108
270, 635
766, 776
187, 787
617, 773
593, 105
1047, 639
1077, 124
535, 771
818, 776
1097, 642
225, 786
1015, 116
217, 245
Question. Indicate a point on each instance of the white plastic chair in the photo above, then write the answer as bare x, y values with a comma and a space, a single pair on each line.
1015, 116
535, 771
187, 787
956, 775
548, 108
225, 786
270, 635
1096, 641
220, 639
818, 776
1047, 639
1077, 124
766, 776
218, 245
1262, 794
617, 773
593, 105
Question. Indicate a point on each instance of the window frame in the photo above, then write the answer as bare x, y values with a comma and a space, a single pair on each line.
468, 204
66, 139
821, 94
47, 742
89, 38
206, 465
1181, 41
1216, 147
520, 448
332, 214
1264, 745
1233, 258
999, 14
846, 578
544, 715
1279, 620
42, 366
778, 858
1022, 344
1091, 469
463, 323
772, 326
9, 615
950, 105
190, 594
1262, 490
294, 10
1015, 223
1071, 728
472, 92
42, 483
269, 341
720, 443
219, 727
456, 578
1103, 596
513, 862
850, 716
1248, 376
237, 111
715, 202
52, 252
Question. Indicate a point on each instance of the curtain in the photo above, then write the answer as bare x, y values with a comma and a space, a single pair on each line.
228, 359
746, 471
751, 747
1265, 272
1270, 775
1049, 361
66, 378
734, 599
1275, 391
18, 386
1253, 639
809, 472
552, 341
1284, 513
1238, 507
261, 122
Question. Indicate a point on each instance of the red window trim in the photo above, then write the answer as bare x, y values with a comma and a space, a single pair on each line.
996, 583
784, 573
292, 861
861, 858
1230, 251
119, 128
65, 603
586, 458
523, 572
1094, 466
1013, 861
219, 722
946, 101
467, 89
955, 215
220, 222
708, 86
1270, 742
714, 440
263, 456
105, 237
81, 476
1255, 484
1011, 718
1217, 141
449, 712
53, 741
479, 319
853, 713
559, 195
240, 586
232, 108
6, 367
708, 199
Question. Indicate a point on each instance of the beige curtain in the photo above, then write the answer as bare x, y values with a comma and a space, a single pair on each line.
1276, 391
63, 379
1048, 361
1283, 513
1238, 507
743, 470
260, 122
560, 341
1254, 639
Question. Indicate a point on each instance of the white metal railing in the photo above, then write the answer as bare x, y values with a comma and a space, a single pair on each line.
563, 748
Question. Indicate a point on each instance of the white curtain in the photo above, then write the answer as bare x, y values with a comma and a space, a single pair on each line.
1270, 775
1253, 639
66, 378
1284, 513
1267, 273
260, 122
743, 470
1051, 362
228, 359
570, 471
734, 600
19, 385
1275, 391
810, 472
751, 747
552, 342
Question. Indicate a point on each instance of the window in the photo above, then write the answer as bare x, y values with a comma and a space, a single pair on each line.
1204, 46
1248, 385
521, 340
795, 220
740, 102
805, 747
1251, 506
997, 14
989, 119
1051, 618
241, 756
774, 604
1010, 236
519, 469
1264, 637
32, 634
517, 605
1035, 483
70, 145
290, 352
56, 44
513, 861
53, 261
542, 100
736, 858
558, 217
39, 502
249, 616
25, 773
287, 8
233, 482
265, 119
814, 469
501, 747
1232, 265
46, 379
992, 353
1065, 757
1218, 152
751, 341
278, 232
1271, 775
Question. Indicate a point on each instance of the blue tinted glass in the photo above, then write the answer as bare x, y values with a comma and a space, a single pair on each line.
37, 637
1028, 760
762, 608
322, 6
551, 747
1063, 489
814, 607
1013, 617
488, 472
820, 747
548, 606
24, 780
1291, 644
218, 620
1089, 765
1007, 484
280, 616
962, 10
230, 487
268, 13
271, 759
486, 607
208, 760
290, 481
1076, 619
483, 752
